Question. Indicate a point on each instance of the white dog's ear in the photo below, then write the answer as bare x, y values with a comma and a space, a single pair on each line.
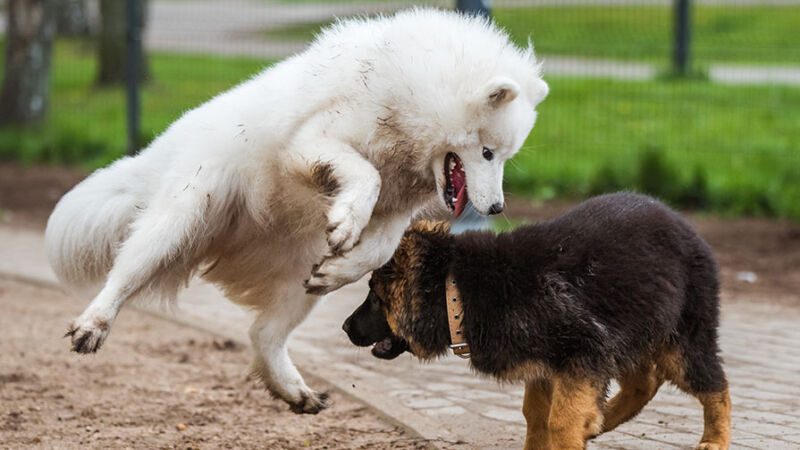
499, 91
537, 90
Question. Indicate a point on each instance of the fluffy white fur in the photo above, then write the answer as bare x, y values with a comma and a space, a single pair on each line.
232, 189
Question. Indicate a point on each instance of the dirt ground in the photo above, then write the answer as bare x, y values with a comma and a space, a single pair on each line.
768, 249
164, 386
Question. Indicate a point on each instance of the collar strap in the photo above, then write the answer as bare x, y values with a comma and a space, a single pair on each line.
455, 318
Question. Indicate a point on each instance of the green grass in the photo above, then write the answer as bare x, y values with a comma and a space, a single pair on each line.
86, 124
304, 31
410, 2
724, 148
721, 34
727, 149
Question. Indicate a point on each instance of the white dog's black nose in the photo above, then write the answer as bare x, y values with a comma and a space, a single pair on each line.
497, 208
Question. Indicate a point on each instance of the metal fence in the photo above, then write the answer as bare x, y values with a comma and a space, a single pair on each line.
721, 132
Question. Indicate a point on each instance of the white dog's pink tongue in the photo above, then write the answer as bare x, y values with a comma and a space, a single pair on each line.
459, 180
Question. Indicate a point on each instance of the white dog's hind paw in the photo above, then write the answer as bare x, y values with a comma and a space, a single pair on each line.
310, 403
87, 337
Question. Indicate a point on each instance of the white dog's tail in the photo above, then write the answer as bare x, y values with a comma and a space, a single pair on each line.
90, 221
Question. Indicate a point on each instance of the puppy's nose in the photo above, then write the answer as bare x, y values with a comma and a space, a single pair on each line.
346, 326
497, 208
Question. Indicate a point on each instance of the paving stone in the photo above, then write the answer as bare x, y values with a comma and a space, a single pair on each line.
504, 414
443, 387
445, 411
477, 394
432, 402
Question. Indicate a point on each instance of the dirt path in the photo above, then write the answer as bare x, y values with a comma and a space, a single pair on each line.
164, 386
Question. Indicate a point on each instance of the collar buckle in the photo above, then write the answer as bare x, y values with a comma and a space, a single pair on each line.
461, 350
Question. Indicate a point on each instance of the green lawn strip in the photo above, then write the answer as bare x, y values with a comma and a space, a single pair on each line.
593, 135
720, 33
762, 35
303, 31
86, 124
409, 2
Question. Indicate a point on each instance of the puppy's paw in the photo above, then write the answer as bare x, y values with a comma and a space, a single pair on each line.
343, 230
88, 335
310, 403
710, 446
593, 427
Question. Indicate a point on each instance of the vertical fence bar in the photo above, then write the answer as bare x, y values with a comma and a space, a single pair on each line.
470, 219
133, 55
477, 7
680, 55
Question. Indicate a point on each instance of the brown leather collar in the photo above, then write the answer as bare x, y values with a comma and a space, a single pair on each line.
455, 318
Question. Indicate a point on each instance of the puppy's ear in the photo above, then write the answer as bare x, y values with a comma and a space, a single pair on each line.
499, 91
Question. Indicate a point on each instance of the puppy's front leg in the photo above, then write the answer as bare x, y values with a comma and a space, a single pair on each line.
575, 413
378, 243
536, 409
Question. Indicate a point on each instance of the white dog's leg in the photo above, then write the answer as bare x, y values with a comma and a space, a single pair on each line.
269, 334
377, 245
160, 237
355, 182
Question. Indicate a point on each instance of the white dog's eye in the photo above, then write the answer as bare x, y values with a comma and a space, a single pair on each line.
488, 154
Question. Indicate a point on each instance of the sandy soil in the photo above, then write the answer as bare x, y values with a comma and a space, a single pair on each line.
161, 385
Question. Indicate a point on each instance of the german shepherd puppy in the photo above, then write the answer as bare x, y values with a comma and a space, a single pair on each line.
620, 288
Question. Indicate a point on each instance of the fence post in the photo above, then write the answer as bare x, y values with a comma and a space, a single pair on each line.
477, 7
470, 219
133, 56
682, 27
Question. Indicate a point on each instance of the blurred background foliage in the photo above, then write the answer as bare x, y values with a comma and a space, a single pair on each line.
725, 139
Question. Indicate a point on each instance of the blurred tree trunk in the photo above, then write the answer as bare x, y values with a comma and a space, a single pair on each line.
72, 18
29, 45
113, 43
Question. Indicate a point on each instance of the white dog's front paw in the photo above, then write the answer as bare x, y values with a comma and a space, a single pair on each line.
88, 333
329, 275
344, 230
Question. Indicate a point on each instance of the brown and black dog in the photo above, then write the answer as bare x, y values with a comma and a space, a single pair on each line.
620, 287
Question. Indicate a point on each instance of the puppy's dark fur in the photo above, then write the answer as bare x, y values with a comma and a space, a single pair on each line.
620, 288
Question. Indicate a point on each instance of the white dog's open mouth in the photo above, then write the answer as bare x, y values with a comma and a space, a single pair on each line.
455, 192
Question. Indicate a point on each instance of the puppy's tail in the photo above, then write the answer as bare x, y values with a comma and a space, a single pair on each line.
90, 222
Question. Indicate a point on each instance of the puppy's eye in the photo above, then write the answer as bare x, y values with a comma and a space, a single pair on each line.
488, 154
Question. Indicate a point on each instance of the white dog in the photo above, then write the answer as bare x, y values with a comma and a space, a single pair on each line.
303, 178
